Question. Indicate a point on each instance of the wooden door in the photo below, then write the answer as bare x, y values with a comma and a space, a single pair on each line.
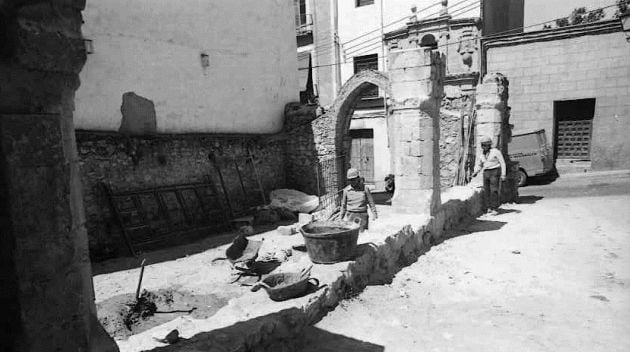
362, 153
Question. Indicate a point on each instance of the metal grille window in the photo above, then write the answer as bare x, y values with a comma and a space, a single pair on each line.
574, 128
367, 62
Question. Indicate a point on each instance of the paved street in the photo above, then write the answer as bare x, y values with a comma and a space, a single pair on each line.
551, 273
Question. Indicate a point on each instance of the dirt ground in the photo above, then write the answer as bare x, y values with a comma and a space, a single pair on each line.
549, 274
184, 277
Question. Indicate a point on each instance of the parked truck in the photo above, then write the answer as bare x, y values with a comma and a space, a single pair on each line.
531, 150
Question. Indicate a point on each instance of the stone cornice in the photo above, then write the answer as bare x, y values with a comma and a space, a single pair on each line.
419, 26
461, 77
595, 28
465, 22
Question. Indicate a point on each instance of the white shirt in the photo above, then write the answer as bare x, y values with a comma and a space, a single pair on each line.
492, 160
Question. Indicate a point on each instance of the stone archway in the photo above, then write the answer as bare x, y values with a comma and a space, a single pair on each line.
414, 84
343, 107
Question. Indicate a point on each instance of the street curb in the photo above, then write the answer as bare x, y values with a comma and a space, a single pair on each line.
614, 173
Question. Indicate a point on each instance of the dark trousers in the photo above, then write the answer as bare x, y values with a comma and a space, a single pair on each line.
491, 179
361, 218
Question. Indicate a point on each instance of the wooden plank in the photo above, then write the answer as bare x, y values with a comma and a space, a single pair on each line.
367, 155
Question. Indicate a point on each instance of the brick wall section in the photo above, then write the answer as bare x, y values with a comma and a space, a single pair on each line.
129, 163
586, 66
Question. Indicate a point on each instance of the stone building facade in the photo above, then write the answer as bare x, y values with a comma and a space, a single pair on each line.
167, 87
346, 37
188, 63
458, 40
574, 82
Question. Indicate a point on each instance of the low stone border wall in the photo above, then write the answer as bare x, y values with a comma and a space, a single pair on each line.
253, 322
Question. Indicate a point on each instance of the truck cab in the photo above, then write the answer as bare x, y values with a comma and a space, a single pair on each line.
534, 155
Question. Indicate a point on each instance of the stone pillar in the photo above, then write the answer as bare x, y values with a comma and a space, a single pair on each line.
493, 118
45, 258
416, 78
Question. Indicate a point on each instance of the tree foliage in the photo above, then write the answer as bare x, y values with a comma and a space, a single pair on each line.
581, 16
622, 6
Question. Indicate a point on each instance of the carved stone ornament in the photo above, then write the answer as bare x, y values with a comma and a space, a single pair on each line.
467, 47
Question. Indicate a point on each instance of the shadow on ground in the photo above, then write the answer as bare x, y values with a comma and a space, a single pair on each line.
311, 339
545, 179
474, 226
528, 199
320, 340
508, 211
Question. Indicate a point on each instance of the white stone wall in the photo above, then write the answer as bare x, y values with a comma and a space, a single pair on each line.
356, 21
154, 47
589, 66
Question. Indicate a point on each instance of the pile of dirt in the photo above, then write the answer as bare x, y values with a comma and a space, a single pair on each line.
123, 315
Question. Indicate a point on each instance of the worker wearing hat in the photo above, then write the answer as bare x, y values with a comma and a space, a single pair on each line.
491, 162
355, 201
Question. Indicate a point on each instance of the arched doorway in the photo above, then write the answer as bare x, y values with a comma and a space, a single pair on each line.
342, 111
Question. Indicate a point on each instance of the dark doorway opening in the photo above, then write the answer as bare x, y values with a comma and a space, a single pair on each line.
573, 128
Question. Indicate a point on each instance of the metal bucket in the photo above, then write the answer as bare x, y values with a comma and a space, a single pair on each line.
330, 242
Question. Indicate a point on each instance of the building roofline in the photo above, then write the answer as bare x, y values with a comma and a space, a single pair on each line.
418, 25
593, 28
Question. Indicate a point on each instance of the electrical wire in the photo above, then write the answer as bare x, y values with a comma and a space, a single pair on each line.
369, 47
498, 34
329, 49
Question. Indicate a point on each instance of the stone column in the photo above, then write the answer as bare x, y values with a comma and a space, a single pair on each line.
44, 244
493, 116
416, 78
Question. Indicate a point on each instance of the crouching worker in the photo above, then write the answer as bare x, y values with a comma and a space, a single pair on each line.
355, 201
491, 162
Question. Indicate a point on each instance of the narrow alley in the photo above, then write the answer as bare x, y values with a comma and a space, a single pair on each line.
549, 274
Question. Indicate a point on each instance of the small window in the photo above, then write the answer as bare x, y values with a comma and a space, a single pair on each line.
367, 62
359, 3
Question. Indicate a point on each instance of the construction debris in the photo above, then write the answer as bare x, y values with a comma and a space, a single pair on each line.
293, 200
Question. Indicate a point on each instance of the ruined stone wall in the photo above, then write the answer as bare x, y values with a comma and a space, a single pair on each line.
310, 140
584, 62
132, 163
450, 136
449, 146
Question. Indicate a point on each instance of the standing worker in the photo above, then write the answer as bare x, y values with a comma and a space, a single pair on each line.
355, 201
491, 161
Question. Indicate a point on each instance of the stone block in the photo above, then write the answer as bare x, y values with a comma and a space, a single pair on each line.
41, 50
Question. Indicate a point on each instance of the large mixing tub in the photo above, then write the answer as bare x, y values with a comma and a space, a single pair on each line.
330, 242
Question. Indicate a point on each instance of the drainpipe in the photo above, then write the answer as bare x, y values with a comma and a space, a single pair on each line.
335, 29
384, 69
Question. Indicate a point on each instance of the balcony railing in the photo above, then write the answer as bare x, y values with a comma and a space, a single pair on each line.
303, 24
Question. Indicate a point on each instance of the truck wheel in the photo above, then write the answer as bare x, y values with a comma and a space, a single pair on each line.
522, 178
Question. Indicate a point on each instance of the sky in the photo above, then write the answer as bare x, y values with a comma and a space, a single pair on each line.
538, 11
